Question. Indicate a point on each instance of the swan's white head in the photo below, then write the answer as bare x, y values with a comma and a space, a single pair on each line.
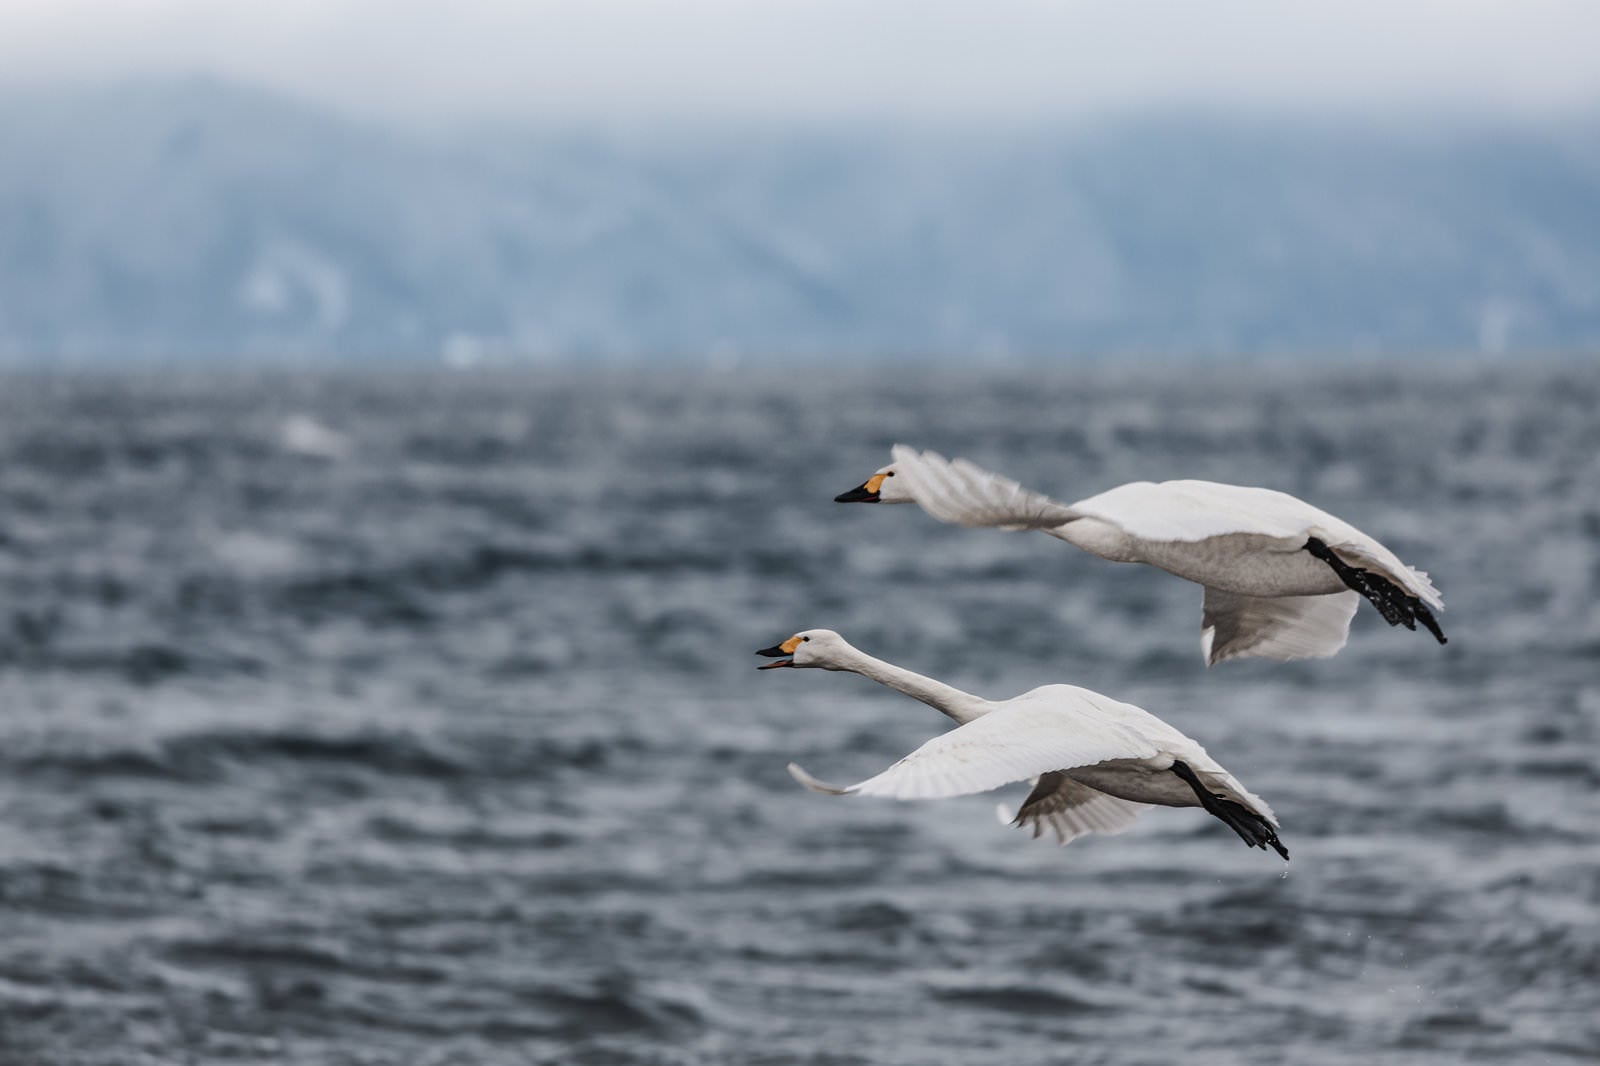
882, 487
817, 648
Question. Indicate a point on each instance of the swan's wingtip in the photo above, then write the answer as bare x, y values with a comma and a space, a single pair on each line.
815, 785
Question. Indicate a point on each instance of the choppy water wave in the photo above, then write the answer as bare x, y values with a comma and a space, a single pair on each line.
414, 720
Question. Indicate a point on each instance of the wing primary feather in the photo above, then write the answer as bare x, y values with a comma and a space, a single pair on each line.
816, 785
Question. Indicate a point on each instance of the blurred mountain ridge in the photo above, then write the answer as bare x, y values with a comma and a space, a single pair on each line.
200, 220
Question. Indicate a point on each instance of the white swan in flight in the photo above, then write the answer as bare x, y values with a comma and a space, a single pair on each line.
1282, 578
1095, 764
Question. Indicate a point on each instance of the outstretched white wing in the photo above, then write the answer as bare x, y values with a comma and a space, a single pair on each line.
1015, 743
967, 495
1282, 627
1071, 810
1189, 511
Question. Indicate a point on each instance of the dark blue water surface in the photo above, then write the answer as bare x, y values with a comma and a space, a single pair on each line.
413, 719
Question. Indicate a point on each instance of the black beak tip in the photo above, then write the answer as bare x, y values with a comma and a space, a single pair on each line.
774, 652
859, 494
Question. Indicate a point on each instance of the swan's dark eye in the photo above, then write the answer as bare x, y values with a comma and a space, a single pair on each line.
889, 474
806, 639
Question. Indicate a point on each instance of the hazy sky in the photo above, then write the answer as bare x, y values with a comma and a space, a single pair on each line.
826, 58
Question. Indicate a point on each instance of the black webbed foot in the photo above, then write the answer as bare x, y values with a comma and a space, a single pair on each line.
1398, 607
1253, 829
1425, 616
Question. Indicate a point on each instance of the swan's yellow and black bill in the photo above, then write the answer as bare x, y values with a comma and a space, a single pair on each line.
866, 492
777, 651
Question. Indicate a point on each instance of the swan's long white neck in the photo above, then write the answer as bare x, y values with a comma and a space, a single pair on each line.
962, 706
1097, 537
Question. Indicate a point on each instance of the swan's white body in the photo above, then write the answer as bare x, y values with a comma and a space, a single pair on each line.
1096, 763
1265, 595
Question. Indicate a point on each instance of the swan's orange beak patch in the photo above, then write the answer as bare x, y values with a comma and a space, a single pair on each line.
777, 651
866, 492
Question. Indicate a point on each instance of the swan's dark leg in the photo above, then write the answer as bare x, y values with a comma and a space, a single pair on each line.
1398, 607
1251, 827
